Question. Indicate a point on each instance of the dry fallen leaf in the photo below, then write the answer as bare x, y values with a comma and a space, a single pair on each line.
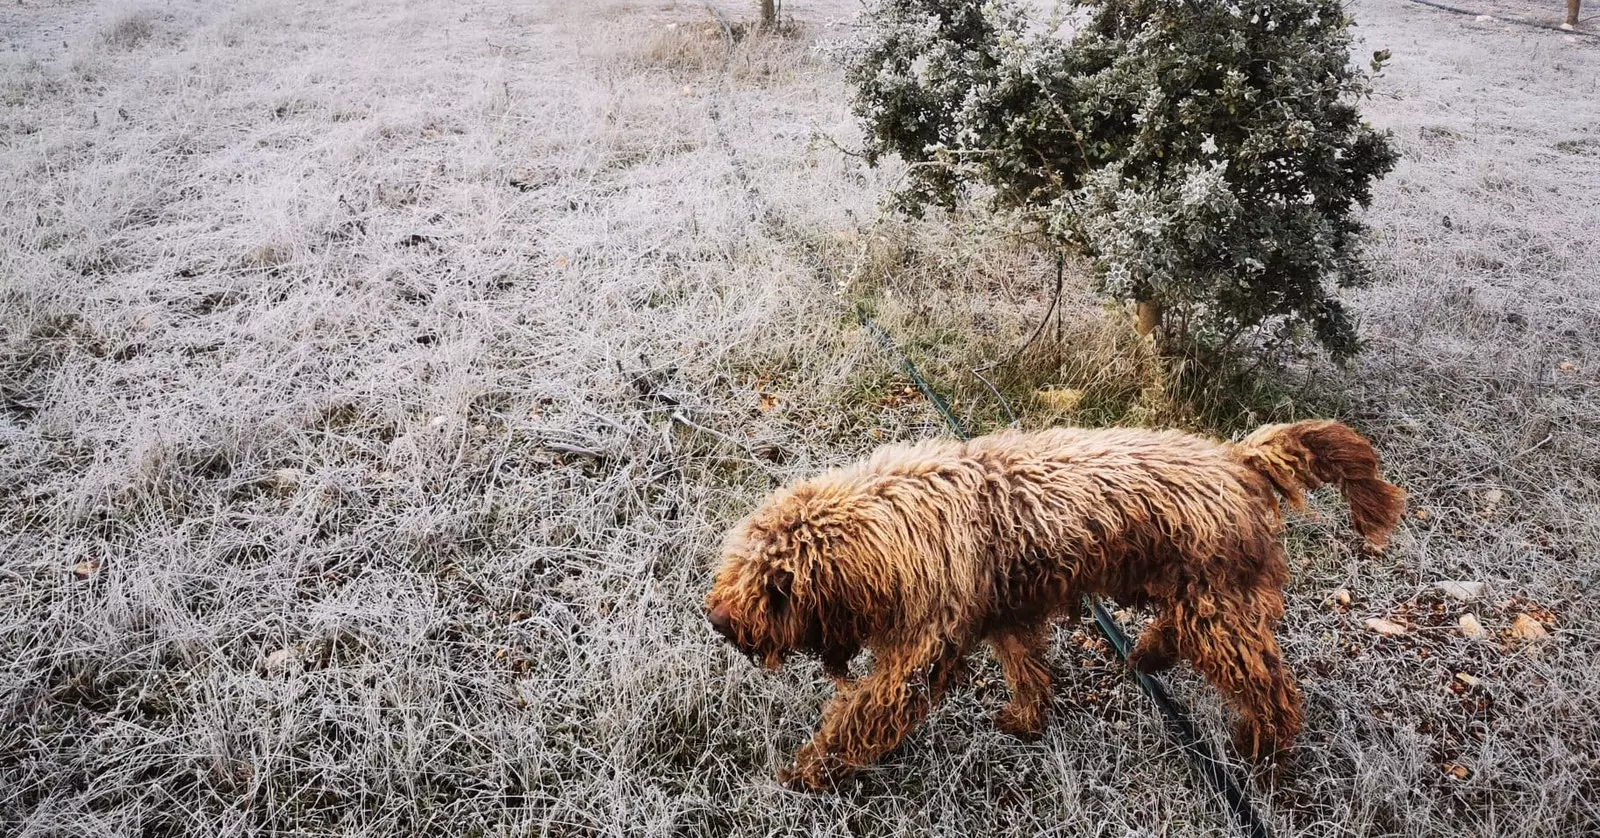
1470, 627
1340, 597
1460, 772
1421, 514
1464, 591
1059, 399
276, 661
285, 479
1528, 629
768, 403
1491, 502
1468, 680
84, 570
1382, 626
1567, 366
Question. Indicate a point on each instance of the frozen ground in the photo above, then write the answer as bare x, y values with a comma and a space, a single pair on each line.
377, 377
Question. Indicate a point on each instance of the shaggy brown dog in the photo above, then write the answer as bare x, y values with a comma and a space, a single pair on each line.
924, 550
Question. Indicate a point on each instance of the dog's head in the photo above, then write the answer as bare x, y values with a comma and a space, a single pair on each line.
788, 580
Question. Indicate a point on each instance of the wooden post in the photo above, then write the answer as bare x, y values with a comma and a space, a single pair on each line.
1572, 12
769, 13
1149, 317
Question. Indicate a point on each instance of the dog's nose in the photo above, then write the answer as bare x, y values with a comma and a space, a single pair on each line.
721, 620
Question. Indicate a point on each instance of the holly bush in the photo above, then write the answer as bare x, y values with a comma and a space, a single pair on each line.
1206, 156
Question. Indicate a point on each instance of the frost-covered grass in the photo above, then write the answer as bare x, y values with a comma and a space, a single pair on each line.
376, 379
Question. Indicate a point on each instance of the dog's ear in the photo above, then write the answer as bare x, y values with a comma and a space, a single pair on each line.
780, 591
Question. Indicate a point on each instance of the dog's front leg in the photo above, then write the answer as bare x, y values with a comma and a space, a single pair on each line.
836, 663
868, 718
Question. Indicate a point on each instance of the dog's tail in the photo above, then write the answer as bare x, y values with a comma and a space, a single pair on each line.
1306, 455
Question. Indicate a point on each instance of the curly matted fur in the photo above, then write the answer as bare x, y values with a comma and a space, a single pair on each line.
922, 551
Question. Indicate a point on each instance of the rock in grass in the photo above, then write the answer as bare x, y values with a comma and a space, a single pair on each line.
1470, 627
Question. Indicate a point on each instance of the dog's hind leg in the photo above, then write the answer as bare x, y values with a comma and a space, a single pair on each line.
1231, 643
1022, 653
868, 718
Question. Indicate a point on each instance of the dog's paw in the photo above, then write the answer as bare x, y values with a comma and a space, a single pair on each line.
796, 779
1260, 745
1151, 661
1275, 770
1025, 723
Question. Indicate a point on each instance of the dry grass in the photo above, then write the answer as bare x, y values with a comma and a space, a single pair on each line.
376, 380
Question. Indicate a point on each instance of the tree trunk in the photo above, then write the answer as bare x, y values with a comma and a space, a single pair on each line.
1572, 12
769, 13
1149, 318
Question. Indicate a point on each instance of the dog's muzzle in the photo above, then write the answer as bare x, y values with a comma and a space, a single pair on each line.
722, 621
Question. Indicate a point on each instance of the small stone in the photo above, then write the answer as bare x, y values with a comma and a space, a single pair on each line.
1340, 597
1464, 591
1470, 627
1382, 626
